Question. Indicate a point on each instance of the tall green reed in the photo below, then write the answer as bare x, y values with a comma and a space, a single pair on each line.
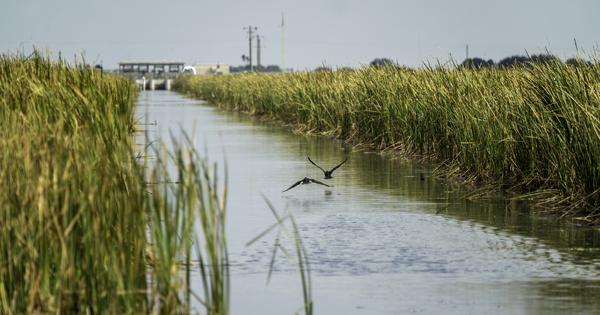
191, 192
80, 229
63, 227
533, 127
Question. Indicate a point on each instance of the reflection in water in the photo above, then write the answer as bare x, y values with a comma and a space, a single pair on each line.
374, 241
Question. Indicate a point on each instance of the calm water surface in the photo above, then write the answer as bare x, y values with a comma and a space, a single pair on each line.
374, 242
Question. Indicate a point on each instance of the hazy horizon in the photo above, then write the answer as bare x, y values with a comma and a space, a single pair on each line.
336, 33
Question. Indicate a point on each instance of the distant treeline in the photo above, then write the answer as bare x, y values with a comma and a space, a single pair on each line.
246, 68
508, 62
516, 60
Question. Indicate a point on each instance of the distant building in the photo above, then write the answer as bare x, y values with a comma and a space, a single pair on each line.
151, 75
211, 68
151, 69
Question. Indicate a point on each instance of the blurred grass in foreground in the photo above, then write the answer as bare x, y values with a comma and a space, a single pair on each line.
80, 229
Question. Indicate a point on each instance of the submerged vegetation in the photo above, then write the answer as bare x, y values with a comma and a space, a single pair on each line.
534, 127
81, 229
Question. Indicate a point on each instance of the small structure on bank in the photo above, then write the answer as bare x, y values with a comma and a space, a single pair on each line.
211, 68
189, 68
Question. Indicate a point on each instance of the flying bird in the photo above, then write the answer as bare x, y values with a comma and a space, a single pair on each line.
328, 173
305, 181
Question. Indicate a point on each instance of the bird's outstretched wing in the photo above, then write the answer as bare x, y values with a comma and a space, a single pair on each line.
338, 165
318, 182
315, 164
296, 184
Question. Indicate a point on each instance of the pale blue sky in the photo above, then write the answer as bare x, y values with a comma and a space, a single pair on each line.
340, 33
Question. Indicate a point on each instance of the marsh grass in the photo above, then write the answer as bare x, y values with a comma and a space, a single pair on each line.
72, 231
81, 229
191, 194
533, 128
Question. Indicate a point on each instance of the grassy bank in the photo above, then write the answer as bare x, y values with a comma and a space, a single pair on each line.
533, 128
81, 231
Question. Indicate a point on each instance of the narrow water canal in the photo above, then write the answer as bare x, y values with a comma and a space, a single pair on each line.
374, 242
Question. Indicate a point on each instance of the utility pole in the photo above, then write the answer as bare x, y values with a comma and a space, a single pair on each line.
467, 52
258, 47
282, 47
257, 53
249, 28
